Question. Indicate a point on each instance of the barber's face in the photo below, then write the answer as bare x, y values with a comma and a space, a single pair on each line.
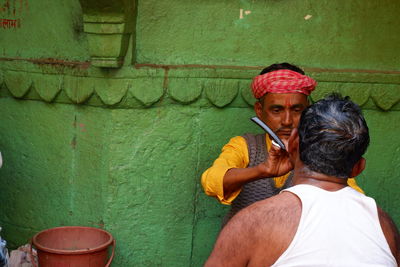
281, 112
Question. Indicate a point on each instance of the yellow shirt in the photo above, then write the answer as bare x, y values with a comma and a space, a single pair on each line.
235, 155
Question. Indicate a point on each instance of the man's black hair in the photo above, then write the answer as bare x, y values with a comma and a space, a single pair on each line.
333, 136
282, 66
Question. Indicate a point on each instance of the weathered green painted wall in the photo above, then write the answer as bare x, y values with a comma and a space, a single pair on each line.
123, 148
340, 34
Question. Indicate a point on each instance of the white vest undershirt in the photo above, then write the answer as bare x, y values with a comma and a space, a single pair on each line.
338, 228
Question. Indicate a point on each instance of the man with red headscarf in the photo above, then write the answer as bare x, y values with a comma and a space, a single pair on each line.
249, 168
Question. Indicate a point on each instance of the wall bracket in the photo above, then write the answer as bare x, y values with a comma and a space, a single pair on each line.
108, 26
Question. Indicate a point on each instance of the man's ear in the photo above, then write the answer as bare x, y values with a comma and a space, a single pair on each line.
358, 167
258, 109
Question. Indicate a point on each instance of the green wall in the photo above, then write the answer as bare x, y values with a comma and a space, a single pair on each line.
109, 115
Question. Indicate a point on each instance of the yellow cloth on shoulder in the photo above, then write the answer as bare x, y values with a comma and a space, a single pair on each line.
235, 155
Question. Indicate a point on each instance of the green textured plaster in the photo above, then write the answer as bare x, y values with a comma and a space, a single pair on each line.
47, 86
17, 83
221, 93
52, 161
359, 92
339, 34
150, 200
147, 91
111, 91
386, 98
57, 27
99, 7
78, 89
185, 90
381, 177
108, 45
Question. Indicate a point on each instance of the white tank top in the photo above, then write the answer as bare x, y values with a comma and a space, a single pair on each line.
338, 228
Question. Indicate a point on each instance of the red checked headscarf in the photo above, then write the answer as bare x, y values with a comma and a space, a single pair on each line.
282, 82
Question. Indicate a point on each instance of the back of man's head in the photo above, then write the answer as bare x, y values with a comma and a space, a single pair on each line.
333, 136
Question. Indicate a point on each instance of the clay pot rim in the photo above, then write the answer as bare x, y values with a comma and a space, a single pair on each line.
75, 251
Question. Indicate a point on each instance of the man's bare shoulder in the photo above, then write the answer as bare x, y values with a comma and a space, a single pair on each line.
272, 212
272, 224
258, 234
391, 233
284, 200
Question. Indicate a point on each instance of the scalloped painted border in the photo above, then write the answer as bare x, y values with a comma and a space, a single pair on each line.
148, 90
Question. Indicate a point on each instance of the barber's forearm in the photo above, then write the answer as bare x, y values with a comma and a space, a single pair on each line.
235, 178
